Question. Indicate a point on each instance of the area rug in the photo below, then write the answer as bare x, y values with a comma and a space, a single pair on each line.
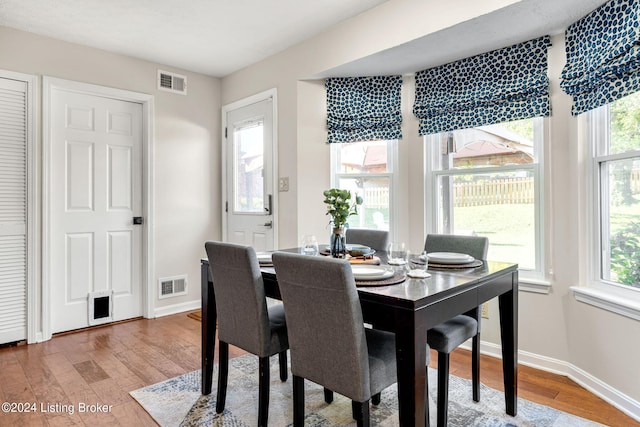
178, 402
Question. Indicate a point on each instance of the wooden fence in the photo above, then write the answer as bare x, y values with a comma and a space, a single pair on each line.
376, 197
498, 191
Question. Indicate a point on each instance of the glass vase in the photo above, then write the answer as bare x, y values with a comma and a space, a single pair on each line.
338, 244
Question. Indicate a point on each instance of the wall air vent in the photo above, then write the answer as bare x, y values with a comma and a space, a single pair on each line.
172, 82
172, 286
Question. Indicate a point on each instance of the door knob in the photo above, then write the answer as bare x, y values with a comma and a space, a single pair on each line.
138, 220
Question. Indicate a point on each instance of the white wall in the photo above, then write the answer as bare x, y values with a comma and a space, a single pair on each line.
595, 347
186, 146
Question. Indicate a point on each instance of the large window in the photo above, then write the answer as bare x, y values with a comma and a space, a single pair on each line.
367, 168
486, 181
615, 134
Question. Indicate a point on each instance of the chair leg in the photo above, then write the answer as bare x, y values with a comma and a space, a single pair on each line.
282, 358
443, 388
361, 413
375, 399
223, 373
328, 395
298, 401
263, 394
475, 367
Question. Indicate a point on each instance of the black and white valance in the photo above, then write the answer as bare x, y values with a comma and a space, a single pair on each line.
363, 108
502, 85
603, 56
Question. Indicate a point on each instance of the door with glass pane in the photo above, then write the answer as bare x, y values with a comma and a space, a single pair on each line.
249, 176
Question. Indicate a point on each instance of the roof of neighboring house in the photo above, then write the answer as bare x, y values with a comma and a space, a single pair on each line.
489, 140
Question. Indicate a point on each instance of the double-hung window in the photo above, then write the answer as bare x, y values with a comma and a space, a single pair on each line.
367, 168
615, 167
487, 181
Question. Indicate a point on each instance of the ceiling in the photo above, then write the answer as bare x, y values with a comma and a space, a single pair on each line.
218, 37
213, 37
522, 21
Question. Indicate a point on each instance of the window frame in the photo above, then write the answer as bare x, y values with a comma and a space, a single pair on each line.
598, 132
391, 174
537, 169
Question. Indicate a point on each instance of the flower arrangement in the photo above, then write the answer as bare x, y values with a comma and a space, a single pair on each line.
340, 206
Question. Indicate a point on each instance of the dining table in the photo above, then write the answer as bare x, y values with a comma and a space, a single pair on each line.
409, 309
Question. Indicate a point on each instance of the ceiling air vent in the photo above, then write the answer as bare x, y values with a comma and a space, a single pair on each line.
172, 286
172, 82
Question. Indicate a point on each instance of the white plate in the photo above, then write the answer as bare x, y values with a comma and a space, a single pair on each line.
449, 258
371, 272
264, 257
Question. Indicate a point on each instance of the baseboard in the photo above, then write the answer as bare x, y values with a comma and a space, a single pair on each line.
626, 404
618, 399
177, 308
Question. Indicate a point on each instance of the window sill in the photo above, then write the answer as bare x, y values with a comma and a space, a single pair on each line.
534, 285
605, 300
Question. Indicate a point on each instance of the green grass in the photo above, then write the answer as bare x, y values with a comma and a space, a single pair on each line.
510, 229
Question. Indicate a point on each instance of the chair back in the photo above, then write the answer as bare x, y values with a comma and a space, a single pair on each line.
375, 239
241, 304
324, 319
476, 246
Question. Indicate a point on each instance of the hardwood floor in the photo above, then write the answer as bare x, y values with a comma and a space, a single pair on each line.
101, 365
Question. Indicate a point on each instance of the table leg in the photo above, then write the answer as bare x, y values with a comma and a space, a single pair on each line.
208, 325
509, 337
411, 357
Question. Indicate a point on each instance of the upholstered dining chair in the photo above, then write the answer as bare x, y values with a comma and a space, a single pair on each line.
244, 319
329, 343
447, 336
375, 239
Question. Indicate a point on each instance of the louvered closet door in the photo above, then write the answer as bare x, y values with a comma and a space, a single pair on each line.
13, 211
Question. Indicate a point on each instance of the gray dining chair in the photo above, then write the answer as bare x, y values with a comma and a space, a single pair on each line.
244, 319
329, 343
375, 239
447, 336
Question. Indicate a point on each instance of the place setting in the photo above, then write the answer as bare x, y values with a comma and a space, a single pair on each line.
446, 260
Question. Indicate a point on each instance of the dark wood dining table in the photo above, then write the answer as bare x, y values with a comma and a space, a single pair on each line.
409, 309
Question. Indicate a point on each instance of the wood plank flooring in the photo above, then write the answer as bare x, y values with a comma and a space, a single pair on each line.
100, 366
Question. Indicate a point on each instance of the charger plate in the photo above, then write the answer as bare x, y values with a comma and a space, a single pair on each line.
394, 280
474, 264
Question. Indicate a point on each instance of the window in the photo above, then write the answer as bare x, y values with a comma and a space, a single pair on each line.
615, 135
486, 181
367, 168
248, 170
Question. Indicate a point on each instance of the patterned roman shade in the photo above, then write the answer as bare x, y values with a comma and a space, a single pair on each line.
502, 85
603, 56
363, 108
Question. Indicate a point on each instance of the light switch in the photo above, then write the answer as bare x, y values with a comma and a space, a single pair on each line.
283, 184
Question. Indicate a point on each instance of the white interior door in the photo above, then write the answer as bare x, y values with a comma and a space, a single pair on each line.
249, 175
96, 191
13, 210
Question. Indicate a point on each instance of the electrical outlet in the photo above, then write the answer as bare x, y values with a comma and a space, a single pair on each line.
485, 310
283, 184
